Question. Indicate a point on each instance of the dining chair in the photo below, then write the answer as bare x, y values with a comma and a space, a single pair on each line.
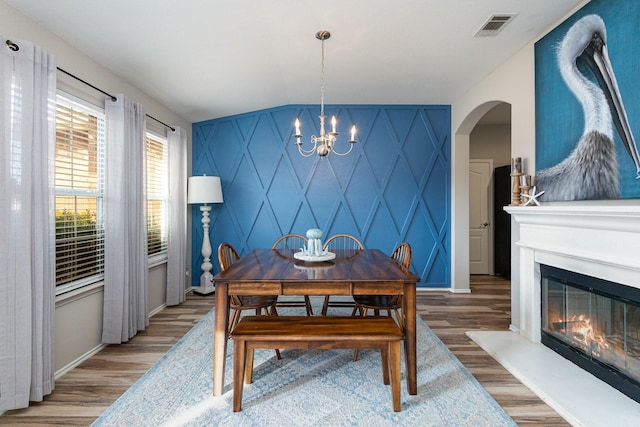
350, 246
389, 303
286, 245
227, 256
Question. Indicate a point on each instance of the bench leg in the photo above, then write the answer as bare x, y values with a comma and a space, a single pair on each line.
384, 355
239, 360
248, 369
394, 373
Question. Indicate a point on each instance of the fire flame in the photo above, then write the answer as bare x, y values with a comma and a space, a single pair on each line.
588, 332
579, 331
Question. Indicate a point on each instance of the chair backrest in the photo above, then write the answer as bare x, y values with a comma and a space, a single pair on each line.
289, 243
343, 241
402, 255
227, 255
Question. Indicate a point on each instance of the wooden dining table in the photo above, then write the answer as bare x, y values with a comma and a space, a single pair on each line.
269, 272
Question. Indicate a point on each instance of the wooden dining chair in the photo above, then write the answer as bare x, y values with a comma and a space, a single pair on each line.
349, 246
389, 303
286, 245
261, 304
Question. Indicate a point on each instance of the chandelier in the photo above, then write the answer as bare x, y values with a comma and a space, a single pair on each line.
325, 143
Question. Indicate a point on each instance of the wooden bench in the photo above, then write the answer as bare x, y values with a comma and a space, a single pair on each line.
319, 332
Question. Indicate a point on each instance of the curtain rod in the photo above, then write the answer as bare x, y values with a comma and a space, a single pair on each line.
14, 47
113, 98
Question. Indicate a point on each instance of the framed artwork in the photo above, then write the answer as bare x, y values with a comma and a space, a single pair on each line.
587, 83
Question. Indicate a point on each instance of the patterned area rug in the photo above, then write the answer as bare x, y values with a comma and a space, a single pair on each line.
306, 387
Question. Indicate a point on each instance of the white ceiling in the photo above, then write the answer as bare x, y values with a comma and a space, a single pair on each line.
206, 59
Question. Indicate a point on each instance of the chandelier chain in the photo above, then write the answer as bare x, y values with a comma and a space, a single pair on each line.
322, 82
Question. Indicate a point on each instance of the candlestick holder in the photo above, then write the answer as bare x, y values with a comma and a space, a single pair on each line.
525, 183
526, 191
516, 189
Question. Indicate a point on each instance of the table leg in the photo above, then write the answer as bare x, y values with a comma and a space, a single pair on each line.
220, 337
409, 308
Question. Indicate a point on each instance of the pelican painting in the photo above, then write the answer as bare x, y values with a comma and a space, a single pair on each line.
591, 170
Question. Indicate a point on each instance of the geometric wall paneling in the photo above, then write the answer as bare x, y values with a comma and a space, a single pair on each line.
394, 186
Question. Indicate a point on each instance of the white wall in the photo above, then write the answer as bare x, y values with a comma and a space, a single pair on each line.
79, 314
491, 142
513, 82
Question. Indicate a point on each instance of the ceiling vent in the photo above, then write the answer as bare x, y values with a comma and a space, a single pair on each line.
494, 24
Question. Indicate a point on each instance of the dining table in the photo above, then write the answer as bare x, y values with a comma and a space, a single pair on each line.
351, 272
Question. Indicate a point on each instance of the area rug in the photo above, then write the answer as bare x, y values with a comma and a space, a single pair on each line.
304, 388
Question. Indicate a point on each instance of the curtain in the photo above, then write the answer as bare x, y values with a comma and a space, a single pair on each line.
125, 257
177, 218
27, 240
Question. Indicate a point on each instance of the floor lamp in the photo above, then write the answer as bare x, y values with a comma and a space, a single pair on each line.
203, 190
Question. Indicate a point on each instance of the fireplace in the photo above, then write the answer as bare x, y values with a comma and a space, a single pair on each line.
597, 240
595, 324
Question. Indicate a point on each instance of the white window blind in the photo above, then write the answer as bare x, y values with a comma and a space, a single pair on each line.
157, 194
79, 182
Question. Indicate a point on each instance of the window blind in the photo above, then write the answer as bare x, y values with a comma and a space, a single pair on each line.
157, 194
79, 182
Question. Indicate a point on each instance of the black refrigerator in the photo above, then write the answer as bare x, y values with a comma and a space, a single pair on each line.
502, 221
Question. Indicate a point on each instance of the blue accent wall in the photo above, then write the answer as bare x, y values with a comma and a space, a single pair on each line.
394, 186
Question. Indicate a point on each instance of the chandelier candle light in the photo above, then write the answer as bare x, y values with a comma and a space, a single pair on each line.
205, 189
325, 143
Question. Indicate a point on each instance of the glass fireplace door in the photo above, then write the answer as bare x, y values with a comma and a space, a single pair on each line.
596, 324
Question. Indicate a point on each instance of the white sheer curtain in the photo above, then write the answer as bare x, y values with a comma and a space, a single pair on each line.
27, 240
177, 241
125, 254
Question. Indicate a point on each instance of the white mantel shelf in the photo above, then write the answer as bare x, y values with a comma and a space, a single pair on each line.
622, 218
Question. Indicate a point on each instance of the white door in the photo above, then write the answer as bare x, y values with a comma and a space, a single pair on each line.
480, 209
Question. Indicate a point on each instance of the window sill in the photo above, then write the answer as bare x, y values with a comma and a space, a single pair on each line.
156, 260
72, 291
78, 293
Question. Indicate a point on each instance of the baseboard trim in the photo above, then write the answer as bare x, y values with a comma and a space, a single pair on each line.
73, 364
158, 309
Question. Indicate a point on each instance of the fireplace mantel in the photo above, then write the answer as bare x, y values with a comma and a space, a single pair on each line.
597, 240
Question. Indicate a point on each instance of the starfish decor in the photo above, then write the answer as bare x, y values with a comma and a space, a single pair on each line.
532, 198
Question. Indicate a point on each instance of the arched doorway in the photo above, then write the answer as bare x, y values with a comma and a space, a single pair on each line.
489, 191
460, 198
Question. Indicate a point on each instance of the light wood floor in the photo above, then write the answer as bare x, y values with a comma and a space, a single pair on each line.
84, 393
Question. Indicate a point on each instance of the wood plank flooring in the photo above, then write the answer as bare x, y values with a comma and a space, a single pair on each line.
487, 307
85, 392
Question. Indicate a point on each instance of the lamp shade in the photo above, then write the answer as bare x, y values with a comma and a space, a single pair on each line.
204, 189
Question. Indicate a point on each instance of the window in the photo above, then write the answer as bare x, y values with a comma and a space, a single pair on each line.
79, 188
157, 194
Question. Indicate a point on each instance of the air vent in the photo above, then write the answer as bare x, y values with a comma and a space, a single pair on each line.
494, 24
